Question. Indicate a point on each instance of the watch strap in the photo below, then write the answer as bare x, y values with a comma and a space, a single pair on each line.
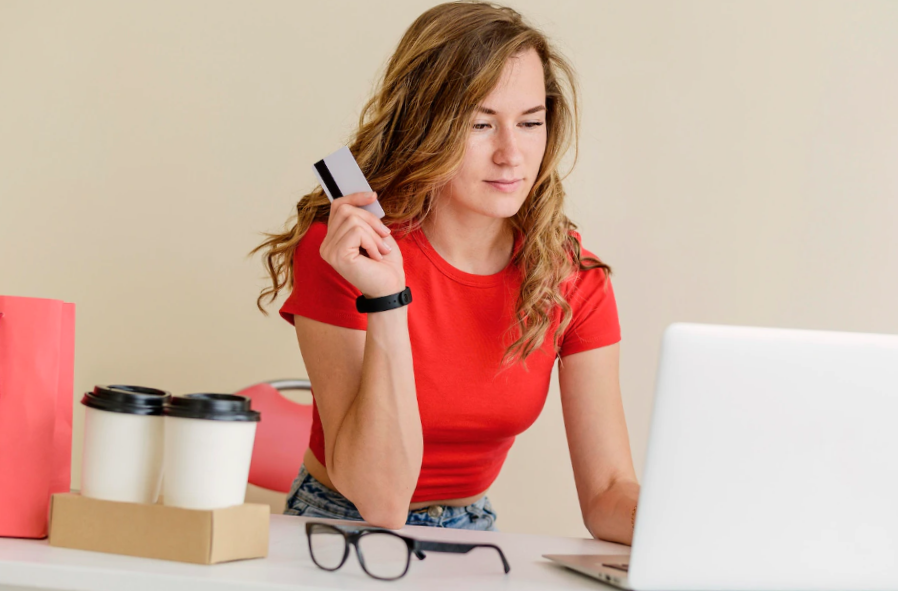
390, 302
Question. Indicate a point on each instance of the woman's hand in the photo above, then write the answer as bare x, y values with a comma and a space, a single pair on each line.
351, 228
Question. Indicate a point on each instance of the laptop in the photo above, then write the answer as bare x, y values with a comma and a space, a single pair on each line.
772, 464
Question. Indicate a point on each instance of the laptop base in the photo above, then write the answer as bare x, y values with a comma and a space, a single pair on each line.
608, 568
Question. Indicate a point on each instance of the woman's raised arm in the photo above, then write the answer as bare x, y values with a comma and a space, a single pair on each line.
364, 381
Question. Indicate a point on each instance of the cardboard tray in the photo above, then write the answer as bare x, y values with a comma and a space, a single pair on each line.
157, 531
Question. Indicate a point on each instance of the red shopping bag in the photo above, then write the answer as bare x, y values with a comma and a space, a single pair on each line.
37, 367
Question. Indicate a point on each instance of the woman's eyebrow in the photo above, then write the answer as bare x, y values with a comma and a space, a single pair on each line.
529, 111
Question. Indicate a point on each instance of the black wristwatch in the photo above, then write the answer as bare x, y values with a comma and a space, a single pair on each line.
396, 300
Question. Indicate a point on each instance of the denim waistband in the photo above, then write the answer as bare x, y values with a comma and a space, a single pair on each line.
309, 498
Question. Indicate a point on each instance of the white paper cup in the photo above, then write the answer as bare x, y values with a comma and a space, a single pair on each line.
208, 447
122, 458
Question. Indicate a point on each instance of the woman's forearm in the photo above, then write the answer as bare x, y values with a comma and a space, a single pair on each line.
610, 514
379, 446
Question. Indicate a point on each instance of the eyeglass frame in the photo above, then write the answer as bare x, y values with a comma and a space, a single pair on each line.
351, 537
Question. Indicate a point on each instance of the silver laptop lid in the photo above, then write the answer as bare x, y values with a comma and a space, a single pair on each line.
772, 462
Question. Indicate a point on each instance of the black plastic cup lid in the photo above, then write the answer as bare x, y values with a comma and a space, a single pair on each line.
213, 407
132, 400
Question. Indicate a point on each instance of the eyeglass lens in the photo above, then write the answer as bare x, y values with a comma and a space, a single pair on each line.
328, 547
383, 555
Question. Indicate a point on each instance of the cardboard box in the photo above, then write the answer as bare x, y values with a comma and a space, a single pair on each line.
157, 531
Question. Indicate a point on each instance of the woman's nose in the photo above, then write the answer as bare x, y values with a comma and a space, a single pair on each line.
507, 151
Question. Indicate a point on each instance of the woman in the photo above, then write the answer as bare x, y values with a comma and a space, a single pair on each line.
416, 406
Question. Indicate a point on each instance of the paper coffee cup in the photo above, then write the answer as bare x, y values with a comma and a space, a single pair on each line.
123, 443
208, 447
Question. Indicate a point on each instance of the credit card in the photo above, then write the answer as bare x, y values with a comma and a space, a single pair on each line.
339, 175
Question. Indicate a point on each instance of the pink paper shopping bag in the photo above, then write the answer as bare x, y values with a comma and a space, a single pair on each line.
37, 362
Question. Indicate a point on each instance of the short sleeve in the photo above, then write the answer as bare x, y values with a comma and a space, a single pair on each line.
319, 292
594, 321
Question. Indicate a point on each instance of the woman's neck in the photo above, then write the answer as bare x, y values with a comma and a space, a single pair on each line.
481, 246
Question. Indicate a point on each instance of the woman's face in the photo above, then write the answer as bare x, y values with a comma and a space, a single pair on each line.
505, 144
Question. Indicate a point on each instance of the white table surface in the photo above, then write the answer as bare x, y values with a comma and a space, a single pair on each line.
35, 564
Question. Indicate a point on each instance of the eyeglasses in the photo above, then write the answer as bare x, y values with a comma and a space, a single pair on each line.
383, 554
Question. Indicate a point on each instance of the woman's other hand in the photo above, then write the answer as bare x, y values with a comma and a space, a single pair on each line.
359, 246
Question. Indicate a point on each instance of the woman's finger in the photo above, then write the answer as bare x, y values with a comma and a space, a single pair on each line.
369, 244
373, 221
355, 238
355, 199
350, 236
340, 212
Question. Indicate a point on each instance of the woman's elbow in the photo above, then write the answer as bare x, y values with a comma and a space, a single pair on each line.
383, 514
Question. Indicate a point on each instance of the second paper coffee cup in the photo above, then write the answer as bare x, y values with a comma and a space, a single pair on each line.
123, 443
208, 448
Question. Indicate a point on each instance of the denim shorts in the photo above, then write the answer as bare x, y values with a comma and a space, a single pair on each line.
309, 498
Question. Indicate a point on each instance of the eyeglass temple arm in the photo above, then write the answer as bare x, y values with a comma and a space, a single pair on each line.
460, 549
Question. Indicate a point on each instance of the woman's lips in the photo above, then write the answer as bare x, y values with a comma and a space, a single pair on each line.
505, 187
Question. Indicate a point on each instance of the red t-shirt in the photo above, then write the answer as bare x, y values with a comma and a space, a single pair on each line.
458, 328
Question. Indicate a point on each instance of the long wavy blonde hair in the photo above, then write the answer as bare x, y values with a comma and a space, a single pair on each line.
411, 140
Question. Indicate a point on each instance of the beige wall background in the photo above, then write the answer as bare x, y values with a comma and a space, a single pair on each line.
739, 165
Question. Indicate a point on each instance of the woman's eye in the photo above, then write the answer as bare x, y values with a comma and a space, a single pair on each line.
526, 124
